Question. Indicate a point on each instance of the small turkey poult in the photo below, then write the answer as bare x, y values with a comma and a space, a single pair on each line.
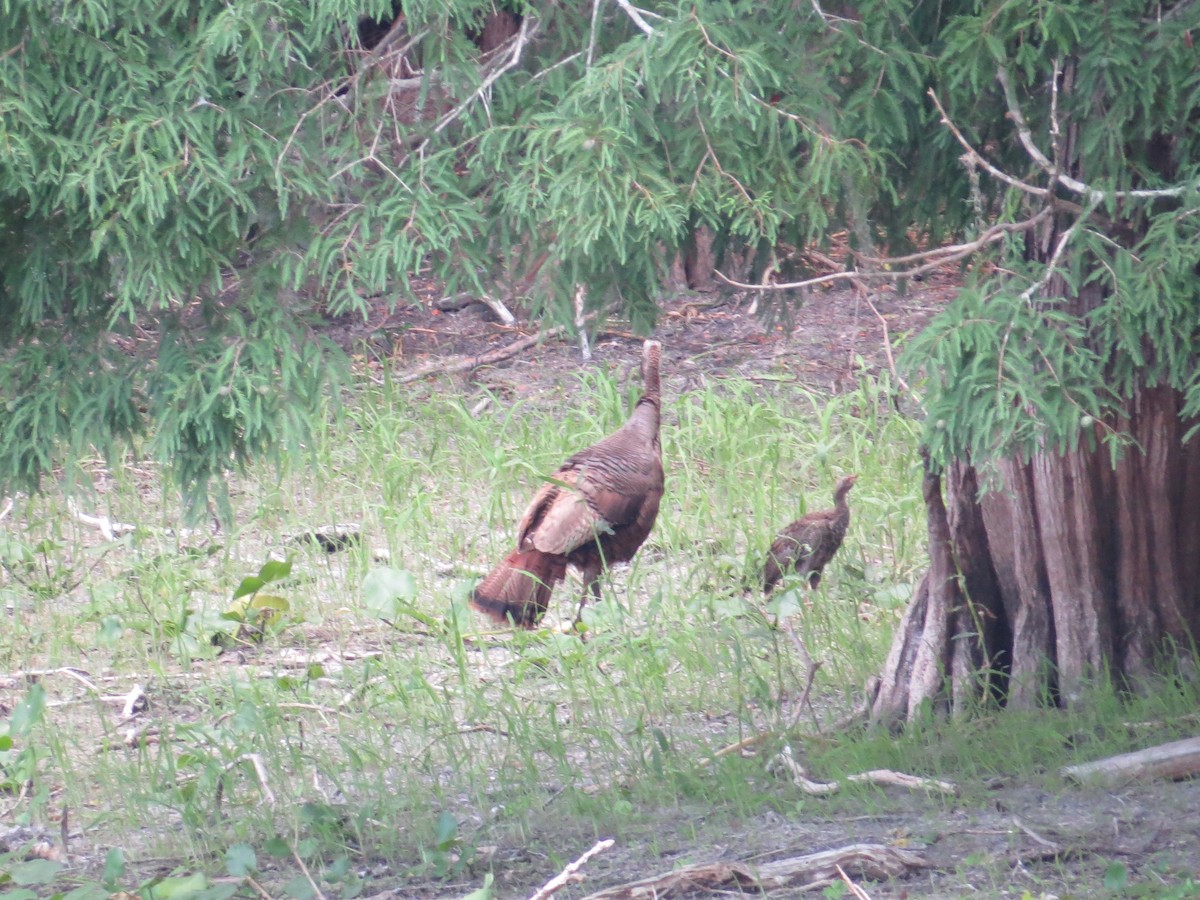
596, 510
807, 544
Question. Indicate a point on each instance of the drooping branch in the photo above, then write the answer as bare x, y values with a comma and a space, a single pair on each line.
881, 268
1025, 135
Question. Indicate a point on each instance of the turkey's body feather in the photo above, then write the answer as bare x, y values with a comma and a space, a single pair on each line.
806, 545
595, 510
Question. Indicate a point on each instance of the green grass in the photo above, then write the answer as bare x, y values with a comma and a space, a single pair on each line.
400, 747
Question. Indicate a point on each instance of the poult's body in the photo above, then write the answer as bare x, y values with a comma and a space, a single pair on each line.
808, 544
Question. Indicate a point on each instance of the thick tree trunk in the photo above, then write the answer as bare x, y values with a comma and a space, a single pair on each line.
1071, 569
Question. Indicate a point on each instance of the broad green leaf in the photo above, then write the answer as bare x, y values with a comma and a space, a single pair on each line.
240, 860
34, 871
388, 591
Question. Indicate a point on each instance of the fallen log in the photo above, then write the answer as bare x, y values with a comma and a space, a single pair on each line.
813, 871
1178, 759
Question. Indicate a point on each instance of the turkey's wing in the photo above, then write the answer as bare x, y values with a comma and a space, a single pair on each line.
561, 518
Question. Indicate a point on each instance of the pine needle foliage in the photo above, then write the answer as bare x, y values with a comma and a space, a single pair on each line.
186, 186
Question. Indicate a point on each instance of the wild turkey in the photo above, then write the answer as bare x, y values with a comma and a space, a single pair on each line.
596, 510
810, 542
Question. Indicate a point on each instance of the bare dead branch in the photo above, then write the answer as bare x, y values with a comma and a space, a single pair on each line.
1025, 135
571, 872
1178, 759
812, 872
108, 528
934, 259
308, 875
522, 37
636, 15
465, 364
976, 157
855, 891
887, 343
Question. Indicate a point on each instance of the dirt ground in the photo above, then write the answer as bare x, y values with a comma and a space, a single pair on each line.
1018, 840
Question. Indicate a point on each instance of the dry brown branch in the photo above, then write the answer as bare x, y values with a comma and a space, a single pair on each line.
786, 763
1178, 759
466, 364
260, 771
862, 710
522, 37
737, 747
973, 155
570, 873
1045, 842
810, 669
810, 872
880, 271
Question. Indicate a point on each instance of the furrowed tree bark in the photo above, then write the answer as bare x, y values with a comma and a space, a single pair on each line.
1072, 569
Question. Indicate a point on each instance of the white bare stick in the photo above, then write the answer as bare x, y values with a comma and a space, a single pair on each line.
8, 506
1178, 759
813, 871
108, 528
585, 349
976, 157
133, 703
523, 36
636, 15
785, 763
496, 305
303, 868
260, 770
591, 49
904, 780
570, 873
887, 344
472, 362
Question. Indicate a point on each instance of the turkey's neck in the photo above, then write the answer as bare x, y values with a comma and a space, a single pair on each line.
840, 504
651, 356
644, 419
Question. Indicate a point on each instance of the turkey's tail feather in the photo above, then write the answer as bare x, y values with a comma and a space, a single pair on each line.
519, 588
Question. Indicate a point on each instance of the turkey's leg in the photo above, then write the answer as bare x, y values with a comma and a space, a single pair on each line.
591, 585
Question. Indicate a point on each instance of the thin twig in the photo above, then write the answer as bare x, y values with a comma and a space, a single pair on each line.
975, 156
855, 890
1045, 842
591, 48
522, 38
8, 506
569, 874
303, 868
887, 343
